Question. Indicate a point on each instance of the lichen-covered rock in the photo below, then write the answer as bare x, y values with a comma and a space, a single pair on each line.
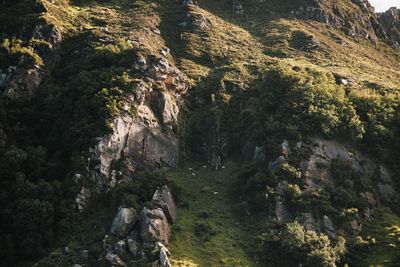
316, 169
120, 248
281, 212
327, 226
115, 260
164, 253
133, 247
154, 227
259, 154
308, 222
23, 82
149, 138
124, 221
163, 198
82, 198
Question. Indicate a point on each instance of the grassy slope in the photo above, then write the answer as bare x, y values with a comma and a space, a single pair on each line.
352, 57
386, 251
231, 240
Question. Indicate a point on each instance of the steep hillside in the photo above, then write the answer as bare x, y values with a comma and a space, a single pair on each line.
199, 133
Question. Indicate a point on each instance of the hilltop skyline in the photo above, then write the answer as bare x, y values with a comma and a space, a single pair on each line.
383, 5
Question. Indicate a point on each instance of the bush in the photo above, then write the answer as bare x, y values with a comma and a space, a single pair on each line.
309, 100
311, 248
11, 51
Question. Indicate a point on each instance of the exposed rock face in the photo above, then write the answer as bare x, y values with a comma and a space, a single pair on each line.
164, 199
133, 247
167, 110
363, 22
124, 221
275, 164
120, 248
281, 212
316, 169
323, 152
285, 148
82, 198
140, 140
154, 227
164, 253
22, 82
115, 260
328, 227
258, 155
193, 20
390, 22
148, 138
308, 222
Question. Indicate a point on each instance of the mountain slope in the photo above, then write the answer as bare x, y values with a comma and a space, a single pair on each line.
104, 103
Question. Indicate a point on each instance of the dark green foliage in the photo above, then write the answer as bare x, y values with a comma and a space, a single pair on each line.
309, 101
304, 247
251, 186
19, 17
140, 189
11, 51
203, 230
344, 174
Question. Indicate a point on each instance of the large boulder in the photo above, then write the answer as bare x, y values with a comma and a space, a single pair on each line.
163, 198
154, 226
124, 221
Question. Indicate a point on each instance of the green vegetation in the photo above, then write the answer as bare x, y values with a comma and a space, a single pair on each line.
381, 243
208, 232
304, 247
256, 80
11, 51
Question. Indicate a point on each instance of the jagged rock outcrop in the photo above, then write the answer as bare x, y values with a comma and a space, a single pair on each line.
148, 138
164, 253
362, 21
163, 198
124, 221
324, 152
308, 221
193, 20
390, 22
146, 240
22, 81
115, 260
154, 227
318, 171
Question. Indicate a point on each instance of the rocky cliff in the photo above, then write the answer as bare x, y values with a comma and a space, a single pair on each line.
290, 109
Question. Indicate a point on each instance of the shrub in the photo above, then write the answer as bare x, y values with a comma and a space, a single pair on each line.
309, 100
311, 248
